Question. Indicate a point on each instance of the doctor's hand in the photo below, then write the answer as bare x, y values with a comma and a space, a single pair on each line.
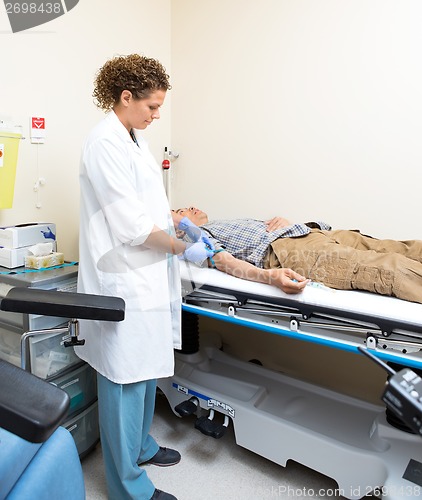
288, 280
197, 252
194, 232
276, 223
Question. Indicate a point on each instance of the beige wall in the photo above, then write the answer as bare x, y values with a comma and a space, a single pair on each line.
48, 71
303, 108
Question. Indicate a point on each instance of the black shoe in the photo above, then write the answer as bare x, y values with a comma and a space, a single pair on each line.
164, 457
162, 495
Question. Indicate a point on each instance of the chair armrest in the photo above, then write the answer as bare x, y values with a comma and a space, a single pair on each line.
63, 304
29, 406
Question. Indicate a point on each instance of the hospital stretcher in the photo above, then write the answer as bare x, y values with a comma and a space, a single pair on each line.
281, 418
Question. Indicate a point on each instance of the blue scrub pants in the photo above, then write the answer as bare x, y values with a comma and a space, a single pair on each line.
125, 415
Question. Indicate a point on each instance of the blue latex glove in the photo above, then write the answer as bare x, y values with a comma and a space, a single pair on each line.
197, 252
208, 243
194, 232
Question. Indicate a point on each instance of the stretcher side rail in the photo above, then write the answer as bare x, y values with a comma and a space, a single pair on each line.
276, 310
386, 325
375, 338
400, 346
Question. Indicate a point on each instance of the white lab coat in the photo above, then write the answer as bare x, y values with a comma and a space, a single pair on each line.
122, 197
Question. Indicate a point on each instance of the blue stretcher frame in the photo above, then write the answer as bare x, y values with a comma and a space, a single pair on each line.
197, 302
302, 336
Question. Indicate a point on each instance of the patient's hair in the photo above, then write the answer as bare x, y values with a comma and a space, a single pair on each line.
138, 74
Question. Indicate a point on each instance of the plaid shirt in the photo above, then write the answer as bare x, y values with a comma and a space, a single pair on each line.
248, 239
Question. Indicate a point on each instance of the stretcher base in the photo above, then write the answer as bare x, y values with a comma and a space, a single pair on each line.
282, 418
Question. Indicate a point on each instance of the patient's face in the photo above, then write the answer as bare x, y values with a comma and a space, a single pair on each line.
194, 214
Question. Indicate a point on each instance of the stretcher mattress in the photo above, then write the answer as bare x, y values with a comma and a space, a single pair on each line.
397, 322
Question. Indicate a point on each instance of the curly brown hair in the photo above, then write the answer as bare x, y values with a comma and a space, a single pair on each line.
138, 74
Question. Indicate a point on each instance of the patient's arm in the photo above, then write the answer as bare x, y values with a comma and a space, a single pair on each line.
281, 278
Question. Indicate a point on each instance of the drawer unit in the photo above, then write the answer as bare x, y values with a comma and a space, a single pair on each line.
10, 345
85, 429
28, 322
46, 355
81, 385
61, 279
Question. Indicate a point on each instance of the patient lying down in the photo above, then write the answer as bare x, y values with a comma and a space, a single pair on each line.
289, 255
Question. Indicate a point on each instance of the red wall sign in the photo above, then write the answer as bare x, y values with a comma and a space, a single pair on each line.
38, 123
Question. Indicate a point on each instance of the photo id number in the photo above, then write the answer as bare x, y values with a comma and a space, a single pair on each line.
33, 8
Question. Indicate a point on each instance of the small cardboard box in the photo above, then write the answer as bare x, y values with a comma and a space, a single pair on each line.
24, 235
44, 261
15, 257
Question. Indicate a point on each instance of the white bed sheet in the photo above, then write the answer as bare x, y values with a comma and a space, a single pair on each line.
371, 304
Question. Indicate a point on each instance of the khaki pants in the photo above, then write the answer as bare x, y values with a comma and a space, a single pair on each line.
349, 260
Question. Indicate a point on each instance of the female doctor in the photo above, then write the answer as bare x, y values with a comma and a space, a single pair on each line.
127, 249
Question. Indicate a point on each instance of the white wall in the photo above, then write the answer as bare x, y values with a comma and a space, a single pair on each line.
309, 109
49, 71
